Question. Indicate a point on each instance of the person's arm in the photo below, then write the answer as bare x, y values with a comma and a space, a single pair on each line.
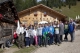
74, 26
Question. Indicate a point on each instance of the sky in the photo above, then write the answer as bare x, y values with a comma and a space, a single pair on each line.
38, 0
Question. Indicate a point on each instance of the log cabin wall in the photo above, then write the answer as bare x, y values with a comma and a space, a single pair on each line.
37, 14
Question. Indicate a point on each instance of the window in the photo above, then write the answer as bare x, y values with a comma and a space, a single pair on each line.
45, 14
35, 13
24, 21
33, 18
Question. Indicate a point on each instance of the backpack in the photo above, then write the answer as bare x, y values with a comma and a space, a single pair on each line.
15, 35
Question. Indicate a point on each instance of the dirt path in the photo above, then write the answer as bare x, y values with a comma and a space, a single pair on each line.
65, 47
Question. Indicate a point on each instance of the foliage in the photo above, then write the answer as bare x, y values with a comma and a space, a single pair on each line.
72, 12
24, 4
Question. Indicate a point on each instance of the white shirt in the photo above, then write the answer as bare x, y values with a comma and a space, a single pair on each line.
57, 29
20, 30
34, 32
39, 31
27, 34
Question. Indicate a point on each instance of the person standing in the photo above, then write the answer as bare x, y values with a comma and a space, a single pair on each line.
20, 32
72, 27
57, 31
61, 25
39, 31
35, 36
66, 30
27, 37
45, 35
31, 35
51, 33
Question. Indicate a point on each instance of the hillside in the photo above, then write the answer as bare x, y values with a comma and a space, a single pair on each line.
75, 10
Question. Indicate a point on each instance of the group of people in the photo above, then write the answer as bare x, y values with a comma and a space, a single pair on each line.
44, 34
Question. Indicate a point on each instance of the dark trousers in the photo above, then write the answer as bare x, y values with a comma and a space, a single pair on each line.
72, 36
21, 40
31, 40
50, 41
61, 38
39, 40
57, 38
45, 41
66, 34
27, 40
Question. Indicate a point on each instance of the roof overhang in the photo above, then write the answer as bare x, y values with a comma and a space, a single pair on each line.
40, 6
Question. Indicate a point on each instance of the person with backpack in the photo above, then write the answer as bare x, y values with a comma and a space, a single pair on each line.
45, 35
66, 31
72, 27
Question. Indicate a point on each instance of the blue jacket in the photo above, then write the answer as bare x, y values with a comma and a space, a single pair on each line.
71, 27
45, 30
51, 30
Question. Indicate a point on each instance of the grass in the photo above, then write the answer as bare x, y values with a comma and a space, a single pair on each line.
72, 12
1, 51
26, 50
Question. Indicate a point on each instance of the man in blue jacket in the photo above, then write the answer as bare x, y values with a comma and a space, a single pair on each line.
72, 27
51, 33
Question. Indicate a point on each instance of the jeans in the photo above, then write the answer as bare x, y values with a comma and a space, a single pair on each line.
50, 41
66, 34
57, 38
45, 41
39, 40
31, 40
72, 36
61, 38
27, 40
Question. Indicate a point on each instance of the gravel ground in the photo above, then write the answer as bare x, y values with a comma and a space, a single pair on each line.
65, 47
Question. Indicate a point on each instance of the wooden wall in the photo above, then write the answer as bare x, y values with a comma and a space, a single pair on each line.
29, 18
